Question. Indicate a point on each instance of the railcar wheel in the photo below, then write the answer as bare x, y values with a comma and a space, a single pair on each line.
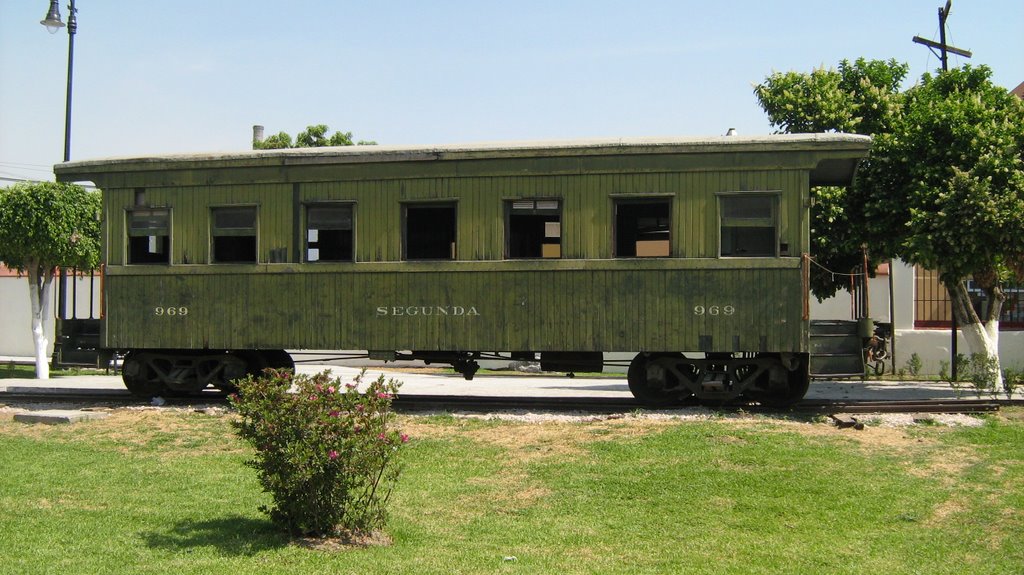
798, 381
654, 380
138, 378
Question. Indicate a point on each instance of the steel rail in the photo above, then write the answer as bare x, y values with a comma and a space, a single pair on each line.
561, 404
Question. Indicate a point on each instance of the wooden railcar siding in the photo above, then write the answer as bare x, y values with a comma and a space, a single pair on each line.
581, 308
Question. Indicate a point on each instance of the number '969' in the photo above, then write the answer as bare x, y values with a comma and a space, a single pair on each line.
713, 310
170, 311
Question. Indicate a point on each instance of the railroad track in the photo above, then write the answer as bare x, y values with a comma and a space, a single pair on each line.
429, 403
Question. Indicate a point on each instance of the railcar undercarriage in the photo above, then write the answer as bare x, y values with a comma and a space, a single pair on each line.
152, 372
664, 379
655, 379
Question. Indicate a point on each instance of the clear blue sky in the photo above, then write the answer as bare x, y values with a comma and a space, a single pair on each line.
194, 75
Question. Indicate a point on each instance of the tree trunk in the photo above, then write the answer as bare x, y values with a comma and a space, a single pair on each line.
982, 335
40, 282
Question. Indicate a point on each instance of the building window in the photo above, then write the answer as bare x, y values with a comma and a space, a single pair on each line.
149, 236
234, 235
534, 229
933, 309
748, 224
429, 232
329, 233
642, 228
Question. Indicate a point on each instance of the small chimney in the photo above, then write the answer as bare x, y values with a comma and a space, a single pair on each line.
730, 132
257, 135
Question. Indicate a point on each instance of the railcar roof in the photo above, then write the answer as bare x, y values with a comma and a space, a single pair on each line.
479, 150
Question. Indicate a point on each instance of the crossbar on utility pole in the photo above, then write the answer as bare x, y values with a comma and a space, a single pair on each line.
941, 45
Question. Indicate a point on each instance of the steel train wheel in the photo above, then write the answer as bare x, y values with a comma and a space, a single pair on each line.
138, 376
149, 373
797, 382
654, 380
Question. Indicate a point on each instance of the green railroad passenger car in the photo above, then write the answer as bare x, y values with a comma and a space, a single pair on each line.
690, 252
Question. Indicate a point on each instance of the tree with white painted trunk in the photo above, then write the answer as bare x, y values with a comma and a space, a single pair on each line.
943, 186
45, 226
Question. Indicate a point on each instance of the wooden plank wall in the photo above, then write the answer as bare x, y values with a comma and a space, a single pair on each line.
610, 309
584, 302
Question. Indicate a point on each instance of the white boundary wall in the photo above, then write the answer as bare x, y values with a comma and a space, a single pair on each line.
16, 314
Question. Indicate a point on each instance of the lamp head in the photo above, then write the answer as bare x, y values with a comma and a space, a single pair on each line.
52, 20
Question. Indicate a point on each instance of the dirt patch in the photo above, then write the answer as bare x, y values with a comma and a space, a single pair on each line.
945, 510
532, 440
135, 430
345, 541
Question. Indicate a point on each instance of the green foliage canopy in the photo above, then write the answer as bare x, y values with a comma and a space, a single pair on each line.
47, 225
944, 184
860, 97
944, 188
314, 136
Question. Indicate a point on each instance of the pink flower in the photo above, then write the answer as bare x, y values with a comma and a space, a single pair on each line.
351, 385
312, 397
359, 408
332, 454
333, 413
382, 395
319, 387
330, 389
381, 436
357, 428
405, 438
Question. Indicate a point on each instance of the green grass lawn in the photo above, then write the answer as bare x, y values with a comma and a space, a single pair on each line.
166, 491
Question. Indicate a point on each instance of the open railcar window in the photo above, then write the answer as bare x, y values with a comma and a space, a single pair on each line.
149, 236
234, 234
642, 228
534, 229
749, 225
329, 233
429, 232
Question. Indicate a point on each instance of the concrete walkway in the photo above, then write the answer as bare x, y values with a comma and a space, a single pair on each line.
423, 382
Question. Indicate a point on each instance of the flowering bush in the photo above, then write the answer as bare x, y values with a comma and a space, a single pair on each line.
325, 452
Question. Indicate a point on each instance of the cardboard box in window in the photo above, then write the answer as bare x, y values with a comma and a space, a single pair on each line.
652, 249
551, 251
552, 229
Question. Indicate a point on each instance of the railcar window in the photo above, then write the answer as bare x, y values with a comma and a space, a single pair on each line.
329, 233
429, 232
642, 229
534, 229
749, 225
234, 234
149, 236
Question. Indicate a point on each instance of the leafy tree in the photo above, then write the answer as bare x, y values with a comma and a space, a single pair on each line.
943, 186
861, 97
275, 142
945, 189
312, 137
45, 226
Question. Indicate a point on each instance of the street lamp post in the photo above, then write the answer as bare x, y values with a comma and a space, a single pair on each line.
54, 23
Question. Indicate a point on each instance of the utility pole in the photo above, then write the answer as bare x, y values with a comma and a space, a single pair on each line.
942, 46
944, 50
